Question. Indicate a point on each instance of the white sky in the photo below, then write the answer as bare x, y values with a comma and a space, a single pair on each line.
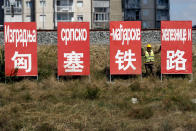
183, 10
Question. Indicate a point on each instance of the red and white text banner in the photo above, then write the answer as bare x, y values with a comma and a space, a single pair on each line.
176, 43
73, 48
20, 49
125, 47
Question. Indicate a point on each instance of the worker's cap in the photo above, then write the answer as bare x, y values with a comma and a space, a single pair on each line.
149, 46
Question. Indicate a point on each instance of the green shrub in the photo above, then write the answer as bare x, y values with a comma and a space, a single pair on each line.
26, 96
92, 93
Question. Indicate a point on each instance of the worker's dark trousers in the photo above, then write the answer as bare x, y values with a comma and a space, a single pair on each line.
149, 69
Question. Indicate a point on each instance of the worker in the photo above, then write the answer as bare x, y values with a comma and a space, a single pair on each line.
149, 59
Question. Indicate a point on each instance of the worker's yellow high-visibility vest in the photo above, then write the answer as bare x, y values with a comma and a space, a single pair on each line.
149, 58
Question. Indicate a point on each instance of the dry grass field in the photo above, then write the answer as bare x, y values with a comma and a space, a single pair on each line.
77, 103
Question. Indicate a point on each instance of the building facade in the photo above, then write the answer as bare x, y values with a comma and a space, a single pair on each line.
28, 8
100, 14
1, 13
19, 11
150, 12
44, 14
162, 11
116, 10
47, 13
13, 11
72, 11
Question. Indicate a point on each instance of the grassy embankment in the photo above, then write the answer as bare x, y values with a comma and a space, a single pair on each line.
76, 103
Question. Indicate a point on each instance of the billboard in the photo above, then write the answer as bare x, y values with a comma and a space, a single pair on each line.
73, 48
125, 47
20, 48
176, 47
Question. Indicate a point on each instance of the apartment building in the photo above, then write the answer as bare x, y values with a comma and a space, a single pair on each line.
72, 11
40, 11
150, 12
64, 11
147, 13
162, 11
28, 7
1, 13
116, 10
13, 11
18, 10
44, 14
100, 14
82, 11
47, 13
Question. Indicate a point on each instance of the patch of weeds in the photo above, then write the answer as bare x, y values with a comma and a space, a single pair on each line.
116, 89
2, 102
135, 86
49, 97
122, 104
2, 64
97, 74
10, 119
92, 93
123, 126
77, 93
167, 104
45, 73
190, 127
10, 124
141, 113
78, 125
45, 127
101, 104
170, 85
166, 126
145, 128
26, 96
182, 103
23, 87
